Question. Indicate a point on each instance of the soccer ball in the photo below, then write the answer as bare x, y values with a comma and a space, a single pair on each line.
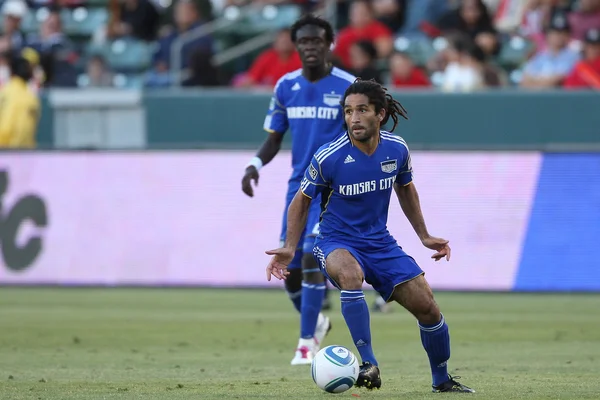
335, 369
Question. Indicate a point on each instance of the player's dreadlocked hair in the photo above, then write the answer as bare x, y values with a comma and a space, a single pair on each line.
309, 19
380, 98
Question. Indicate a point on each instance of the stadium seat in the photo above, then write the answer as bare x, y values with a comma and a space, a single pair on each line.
126, 55
514, 52
80, 21
420, 51
83, 21
253, 21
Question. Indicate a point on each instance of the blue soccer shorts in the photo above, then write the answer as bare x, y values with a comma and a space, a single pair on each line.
307, 239
383, 268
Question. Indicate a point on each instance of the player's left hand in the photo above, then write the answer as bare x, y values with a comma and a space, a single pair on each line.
439, 245
277, 267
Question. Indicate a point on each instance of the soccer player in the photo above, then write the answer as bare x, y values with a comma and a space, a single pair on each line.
307, 102
355, 174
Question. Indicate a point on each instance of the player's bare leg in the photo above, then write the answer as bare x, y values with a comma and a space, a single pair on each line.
416, 296
314, 325
345, 270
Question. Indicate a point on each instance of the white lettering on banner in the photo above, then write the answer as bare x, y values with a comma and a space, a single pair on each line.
312, 112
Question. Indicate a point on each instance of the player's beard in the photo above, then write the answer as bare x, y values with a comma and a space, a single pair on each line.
365, 133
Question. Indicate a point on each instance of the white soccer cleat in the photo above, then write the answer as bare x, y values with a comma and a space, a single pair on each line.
322, 329
305, 352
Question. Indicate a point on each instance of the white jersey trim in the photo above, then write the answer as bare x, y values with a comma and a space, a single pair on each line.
332, 148
335, 71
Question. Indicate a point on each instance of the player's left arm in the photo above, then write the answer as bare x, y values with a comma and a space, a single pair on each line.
408, 197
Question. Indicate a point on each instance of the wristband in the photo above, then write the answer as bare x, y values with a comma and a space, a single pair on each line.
256, 162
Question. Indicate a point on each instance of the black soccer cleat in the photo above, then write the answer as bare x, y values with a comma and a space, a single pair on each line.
451, 385
368, 376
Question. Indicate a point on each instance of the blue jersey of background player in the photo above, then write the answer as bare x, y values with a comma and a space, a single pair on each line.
355, 175
307, 103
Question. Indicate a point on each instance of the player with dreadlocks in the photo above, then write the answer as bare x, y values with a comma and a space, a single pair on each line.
355, 175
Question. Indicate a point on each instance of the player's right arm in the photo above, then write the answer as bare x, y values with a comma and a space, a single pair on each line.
276, 124
312, 184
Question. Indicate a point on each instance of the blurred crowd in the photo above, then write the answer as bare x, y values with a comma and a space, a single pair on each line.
450, 45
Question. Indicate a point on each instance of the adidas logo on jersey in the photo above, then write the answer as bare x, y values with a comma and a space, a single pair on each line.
296, 86
348, 159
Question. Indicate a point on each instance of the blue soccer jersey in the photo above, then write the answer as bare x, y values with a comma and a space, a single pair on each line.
311, 111
355, 188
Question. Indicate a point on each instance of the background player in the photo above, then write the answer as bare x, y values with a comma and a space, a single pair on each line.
356, 173
306, 101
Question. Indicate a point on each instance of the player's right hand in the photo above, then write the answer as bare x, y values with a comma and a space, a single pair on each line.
277, 267
250, 175
439, 245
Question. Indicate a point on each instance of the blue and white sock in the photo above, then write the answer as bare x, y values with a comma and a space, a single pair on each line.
356, 313
436, 341
296, 298
312, 302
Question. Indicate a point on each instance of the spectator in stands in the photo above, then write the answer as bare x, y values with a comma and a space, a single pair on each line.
187, 17
586, 17
537, 15
586, 74
472, 19
510, 14
33, 57
463, 72
421, 17
470, 70
390, 13
38, 79
202, 71
134, 18
97, 73
13, 12
363, 57
20, 111
58, 55
272, 63
404, 73
549, 67
363, 26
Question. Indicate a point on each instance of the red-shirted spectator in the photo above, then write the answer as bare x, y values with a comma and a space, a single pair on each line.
404, 73
586, 74
273, 63
363, 26
585, 18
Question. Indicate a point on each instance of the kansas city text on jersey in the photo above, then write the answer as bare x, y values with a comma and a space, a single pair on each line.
312, 112
367, 186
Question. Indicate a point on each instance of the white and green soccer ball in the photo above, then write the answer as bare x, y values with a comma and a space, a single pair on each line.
335, 369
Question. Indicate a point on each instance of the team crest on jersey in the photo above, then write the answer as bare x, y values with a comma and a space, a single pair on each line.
332, 99
312, 171
389, 166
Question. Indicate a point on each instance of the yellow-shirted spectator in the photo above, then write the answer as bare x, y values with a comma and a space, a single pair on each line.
19, 107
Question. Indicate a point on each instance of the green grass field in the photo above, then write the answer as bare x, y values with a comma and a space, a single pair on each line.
217, 344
